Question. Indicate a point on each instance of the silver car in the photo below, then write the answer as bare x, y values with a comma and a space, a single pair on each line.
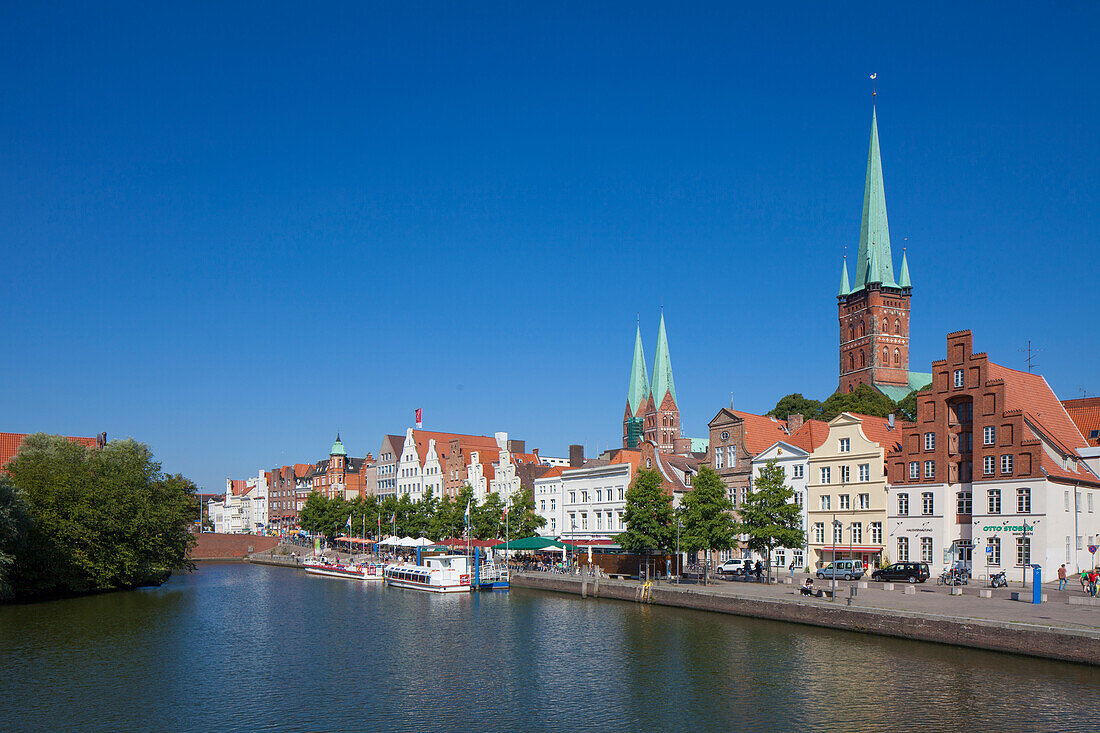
846, 569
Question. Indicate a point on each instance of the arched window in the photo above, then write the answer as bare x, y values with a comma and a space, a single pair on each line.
885, 328
851, 362
897, 326
851, 332
862, 359
897, 357
885, 358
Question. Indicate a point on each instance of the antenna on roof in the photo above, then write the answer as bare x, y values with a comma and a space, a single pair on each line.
1031, 356
731, 400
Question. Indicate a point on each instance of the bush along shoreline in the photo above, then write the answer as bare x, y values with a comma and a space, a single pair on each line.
76, 520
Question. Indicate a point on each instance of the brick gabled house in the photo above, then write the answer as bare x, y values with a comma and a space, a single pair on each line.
994, 473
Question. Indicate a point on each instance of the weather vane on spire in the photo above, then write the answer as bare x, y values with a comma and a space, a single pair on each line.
873, 77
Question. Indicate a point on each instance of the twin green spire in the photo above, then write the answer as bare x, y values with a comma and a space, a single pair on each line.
875, 262
638, 389
662, 368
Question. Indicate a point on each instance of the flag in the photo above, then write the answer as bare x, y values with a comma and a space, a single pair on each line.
419, 418
349, 521
467, 512
393, 518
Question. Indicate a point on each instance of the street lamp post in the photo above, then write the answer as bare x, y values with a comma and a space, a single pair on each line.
835, 525
678, 547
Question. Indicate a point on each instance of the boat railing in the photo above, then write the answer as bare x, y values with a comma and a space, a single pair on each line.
493, 573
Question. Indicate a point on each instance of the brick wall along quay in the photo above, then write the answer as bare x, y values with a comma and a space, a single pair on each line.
213, 546
1018, 637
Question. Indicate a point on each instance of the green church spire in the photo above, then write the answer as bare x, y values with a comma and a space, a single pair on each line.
662, 368
874, 263
844, 287
638, 389
903, 281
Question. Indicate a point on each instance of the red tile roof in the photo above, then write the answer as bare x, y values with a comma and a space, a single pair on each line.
761, 432
877, 429
1085, 413
810, 436
552, 473
239, 486
10, 442
301, 469
1032, 394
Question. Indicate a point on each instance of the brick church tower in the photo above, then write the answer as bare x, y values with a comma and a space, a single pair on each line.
651, 412
874, 310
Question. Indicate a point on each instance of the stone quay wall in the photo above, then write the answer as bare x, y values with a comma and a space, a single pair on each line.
1017, 638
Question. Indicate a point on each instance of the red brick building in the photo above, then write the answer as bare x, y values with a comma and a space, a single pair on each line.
874, 311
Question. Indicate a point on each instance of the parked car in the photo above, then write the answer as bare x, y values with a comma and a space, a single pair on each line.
910, 572
738, 566
847, 569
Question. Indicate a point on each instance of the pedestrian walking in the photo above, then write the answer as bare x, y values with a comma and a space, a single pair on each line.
1062, 577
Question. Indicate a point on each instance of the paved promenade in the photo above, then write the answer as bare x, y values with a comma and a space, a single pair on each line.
934, 599
1054, 629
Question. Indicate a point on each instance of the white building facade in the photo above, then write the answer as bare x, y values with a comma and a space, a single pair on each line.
794, 462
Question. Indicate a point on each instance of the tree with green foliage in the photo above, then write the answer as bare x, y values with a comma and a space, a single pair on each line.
647, 515
522, 519
488, 518
795, 403
769, 515
15, 520
311, 517
707, 520
100, 519
864, 400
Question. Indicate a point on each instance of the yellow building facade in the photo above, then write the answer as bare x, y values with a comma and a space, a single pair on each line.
846, 491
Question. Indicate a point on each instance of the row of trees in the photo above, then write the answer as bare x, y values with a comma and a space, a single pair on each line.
705, 521
864, 400
431, 517
75, 520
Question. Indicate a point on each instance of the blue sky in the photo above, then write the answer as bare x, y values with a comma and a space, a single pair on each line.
232, 230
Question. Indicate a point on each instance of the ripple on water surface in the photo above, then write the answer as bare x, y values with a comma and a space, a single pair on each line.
240, 647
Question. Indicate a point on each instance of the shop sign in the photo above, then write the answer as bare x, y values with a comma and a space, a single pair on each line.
1014, 528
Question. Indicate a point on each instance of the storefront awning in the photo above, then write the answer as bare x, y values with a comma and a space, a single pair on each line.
845, 549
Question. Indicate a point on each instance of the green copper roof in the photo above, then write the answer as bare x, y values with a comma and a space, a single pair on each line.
637, 390
700, 445
662, 368
844, 287
919, 380
903, 281
874, 263
338, 448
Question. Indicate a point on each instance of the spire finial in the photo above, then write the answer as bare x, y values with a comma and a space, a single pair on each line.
874, 92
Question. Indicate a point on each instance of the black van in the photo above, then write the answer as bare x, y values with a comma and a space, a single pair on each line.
911, 572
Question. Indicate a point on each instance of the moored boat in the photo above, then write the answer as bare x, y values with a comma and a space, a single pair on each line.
439, 574
357, 571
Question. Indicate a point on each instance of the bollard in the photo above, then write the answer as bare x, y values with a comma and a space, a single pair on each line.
1037, 584
985, 593
909, 590
956, 591
584, 587
887, 586
788, 581
861, 584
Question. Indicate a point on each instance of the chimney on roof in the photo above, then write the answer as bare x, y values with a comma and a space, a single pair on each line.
101, 440
517, 446
794, 422
576, 456
891, 419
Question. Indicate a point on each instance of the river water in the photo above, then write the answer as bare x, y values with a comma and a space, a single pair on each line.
248, 647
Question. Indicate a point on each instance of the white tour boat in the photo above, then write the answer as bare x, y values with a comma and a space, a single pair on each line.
358, 571
439, 574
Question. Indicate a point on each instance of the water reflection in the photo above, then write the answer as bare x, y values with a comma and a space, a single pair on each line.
237, 647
